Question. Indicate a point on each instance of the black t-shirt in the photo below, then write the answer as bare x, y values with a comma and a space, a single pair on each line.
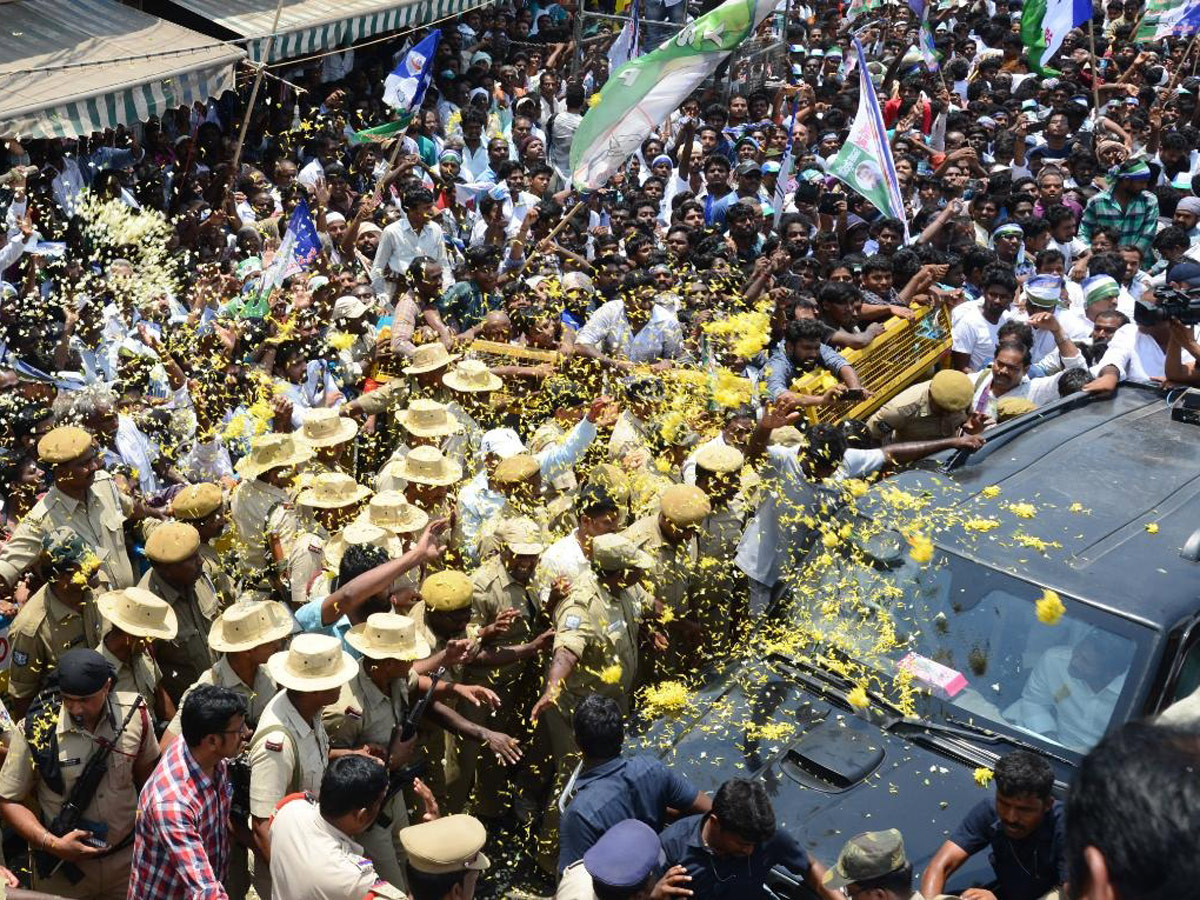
1026, 869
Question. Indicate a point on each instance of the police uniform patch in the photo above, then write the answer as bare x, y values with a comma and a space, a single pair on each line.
20, 658
573, 621
276, 746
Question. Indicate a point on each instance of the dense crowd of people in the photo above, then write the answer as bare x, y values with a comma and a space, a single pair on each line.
343, 576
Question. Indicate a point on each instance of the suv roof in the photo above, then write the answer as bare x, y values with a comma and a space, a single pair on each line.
1129, 465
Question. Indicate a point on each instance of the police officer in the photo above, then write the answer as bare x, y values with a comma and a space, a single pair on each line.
595, 651
290, 749
445, 857
719, 599
330, 501
62, 615
83, 498
624, 861
669, 538
202, 506
260, 505
927, 411
177, 576
315, 854
134, 620
86, 716
366, 714
504, 600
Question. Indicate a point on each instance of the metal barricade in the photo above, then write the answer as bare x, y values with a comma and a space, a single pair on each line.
889, 364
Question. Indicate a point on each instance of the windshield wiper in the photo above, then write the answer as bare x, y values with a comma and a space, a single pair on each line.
837, 684
960, 728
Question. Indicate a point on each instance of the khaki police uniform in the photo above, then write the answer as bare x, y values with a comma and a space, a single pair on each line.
362, 715
217, 572
675, 564
440, 748
187, 655
99, 519
313, 860
306, 565
911, 416
256, 695
114, 804
261, 511
141, 675
629, 433
495, 590
43, 631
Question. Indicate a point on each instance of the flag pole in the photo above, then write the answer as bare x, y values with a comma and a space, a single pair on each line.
1095, 65
262, 67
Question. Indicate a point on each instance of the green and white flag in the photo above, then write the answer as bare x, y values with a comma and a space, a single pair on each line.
865, 164
641, 94
1044, 24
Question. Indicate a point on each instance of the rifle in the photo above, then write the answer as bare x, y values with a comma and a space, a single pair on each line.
70, 816
402, 733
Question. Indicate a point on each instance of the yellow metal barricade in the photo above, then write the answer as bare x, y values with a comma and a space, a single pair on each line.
892, 362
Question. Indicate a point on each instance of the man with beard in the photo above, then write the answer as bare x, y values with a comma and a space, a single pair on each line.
802, 351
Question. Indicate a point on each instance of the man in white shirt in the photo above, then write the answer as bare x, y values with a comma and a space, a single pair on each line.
415, 234
1009, 372
567, 558
977, 324
632, 329
1072, 691
797, 484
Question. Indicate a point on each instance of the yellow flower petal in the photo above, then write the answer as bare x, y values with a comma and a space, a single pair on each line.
983, 776
991, 491
1050, 608
858, 698
1152, 528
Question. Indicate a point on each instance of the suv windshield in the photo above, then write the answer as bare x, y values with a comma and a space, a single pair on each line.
956, 640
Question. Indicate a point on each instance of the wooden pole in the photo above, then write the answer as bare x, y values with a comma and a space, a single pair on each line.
1095, 66
237, 151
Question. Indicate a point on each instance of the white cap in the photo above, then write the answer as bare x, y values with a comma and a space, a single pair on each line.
501, 442
349, 307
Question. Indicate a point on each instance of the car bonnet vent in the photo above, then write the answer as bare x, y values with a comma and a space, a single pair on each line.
834, 755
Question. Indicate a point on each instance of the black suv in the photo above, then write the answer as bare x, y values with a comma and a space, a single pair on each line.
1091, 507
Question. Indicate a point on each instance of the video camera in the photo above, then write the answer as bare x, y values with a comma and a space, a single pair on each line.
1171, 304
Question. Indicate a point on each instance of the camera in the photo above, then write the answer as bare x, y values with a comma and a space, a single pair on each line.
1172, 304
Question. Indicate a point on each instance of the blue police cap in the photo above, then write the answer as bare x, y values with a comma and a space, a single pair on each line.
625, 856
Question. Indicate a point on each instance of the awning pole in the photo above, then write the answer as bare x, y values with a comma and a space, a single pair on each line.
237, 151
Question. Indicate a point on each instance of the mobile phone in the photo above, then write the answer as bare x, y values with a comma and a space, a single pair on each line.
853, 394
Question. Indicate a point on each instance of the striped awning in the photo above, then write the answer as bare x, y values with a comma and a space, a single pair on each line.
69, 68
311, 26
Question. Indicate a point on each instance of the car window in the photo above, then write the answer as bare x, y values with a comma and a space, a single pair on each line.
969, 640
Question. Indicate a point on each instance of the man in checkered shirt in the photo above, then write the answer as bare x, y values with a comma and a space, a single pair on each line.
181, 843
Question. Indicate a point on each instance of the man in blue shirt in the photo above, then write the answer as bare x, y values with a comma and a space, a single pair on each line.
607, 788
729, 851
1024, 825
803, 350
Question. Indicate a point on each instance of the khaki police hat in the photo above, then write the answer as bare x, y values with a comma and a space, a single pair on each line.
867, 856
447, 591
333, 490
472, 376
613, 479
951, 390
388, 636
445, 845
516, 469
313, 662
172, 542
615, 553
426, 465
1011, 407
138, 612
390, 511
248, 624
521, 536
362, 534
429, 357
685, 504
197, 501
63, 444
326, 428
272, 451
428, 418
720, 458
787, 436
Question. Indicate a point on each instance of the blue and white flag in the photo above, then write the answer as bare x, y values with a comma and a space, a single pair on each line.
865, 164
405, 88
625, 47
299, 247
929, 54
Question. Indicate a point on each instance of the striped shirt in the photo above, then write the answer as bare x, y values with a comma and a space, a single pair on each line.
1137, 223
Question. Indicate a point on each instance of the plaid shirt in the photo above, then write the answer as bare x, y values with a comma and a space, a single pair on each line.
1137, 223
181, 841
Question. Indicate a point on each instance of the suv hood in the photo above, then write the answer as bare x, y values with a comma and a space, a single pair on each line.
831, 774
